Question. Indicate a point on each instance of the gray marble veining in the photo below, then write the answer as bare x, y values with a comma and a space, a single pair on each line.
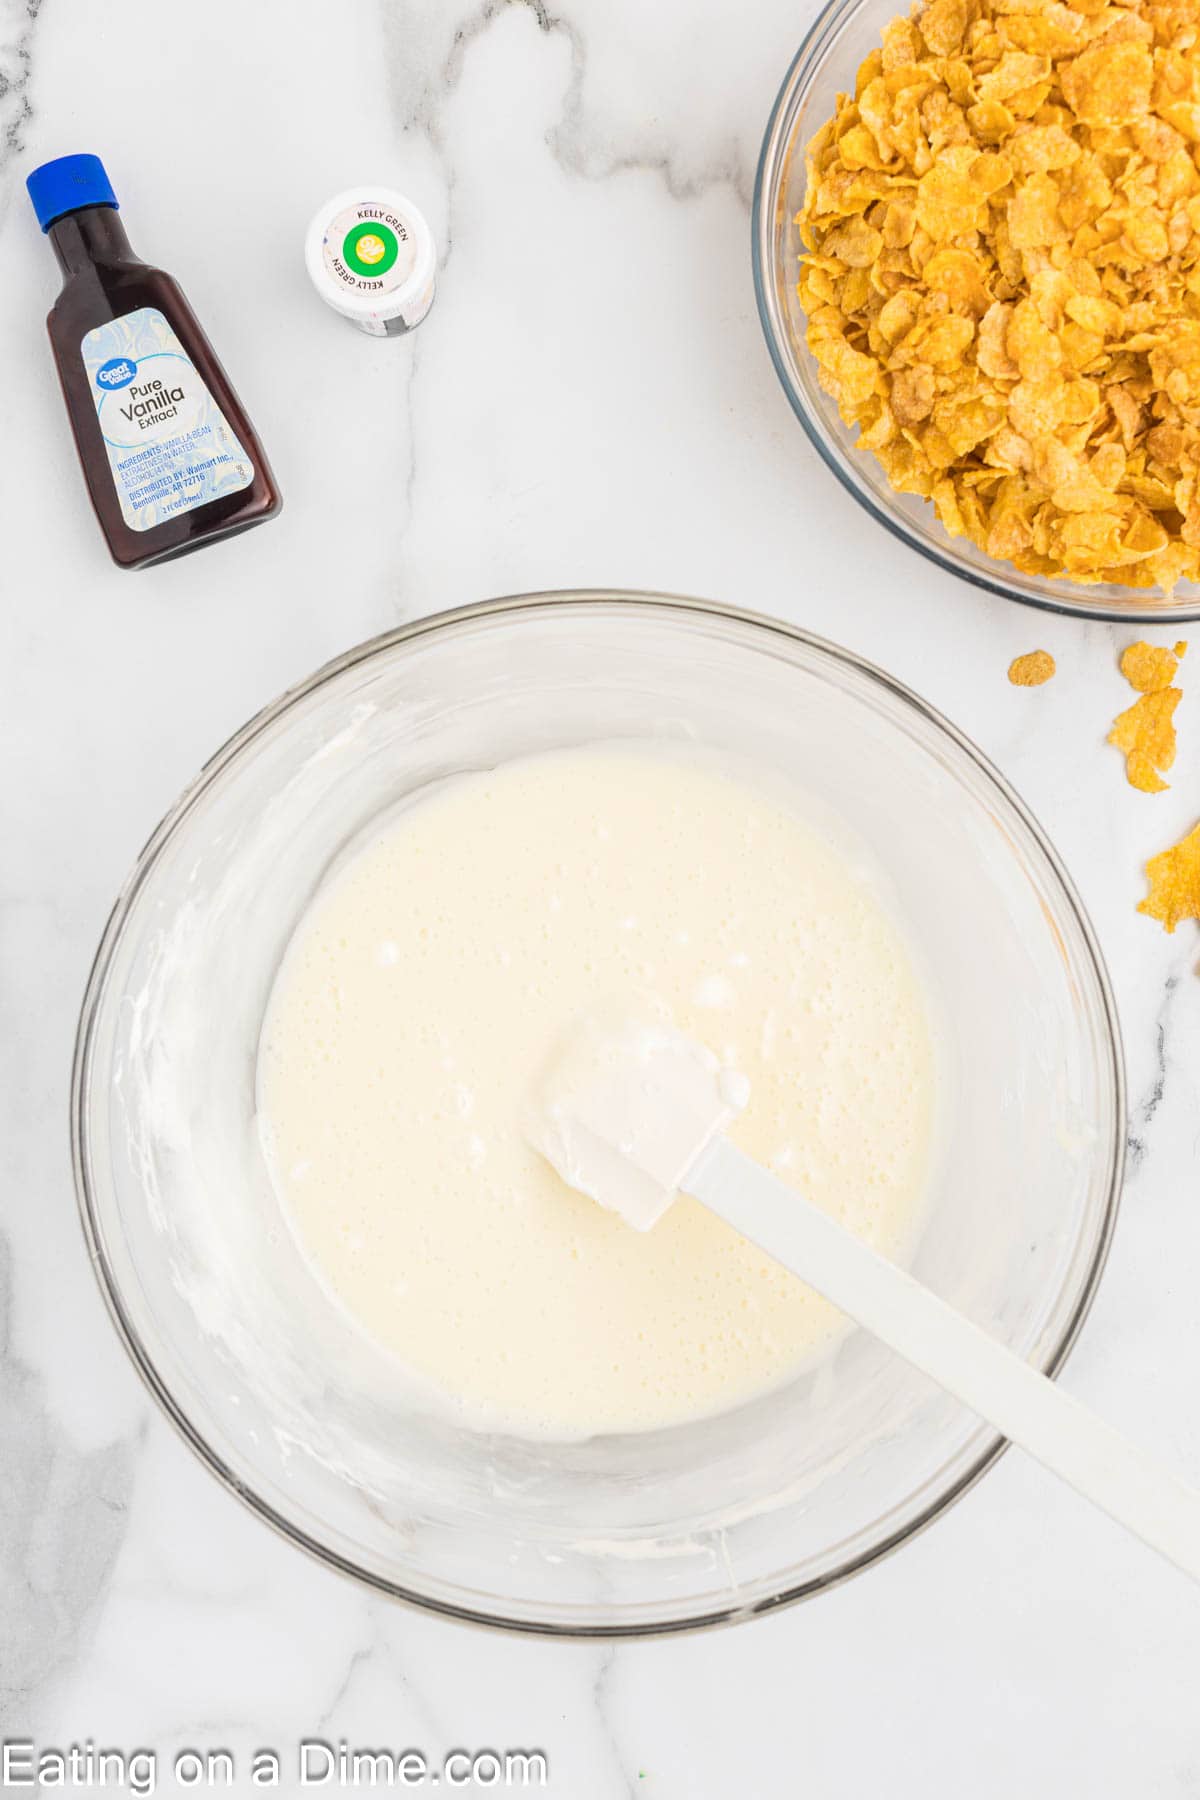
63, 1517
18, 24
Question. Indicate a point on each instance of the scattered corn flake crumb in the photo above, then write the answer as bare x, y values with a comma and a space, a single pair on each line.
1174, 877
1145, 731
1141, 773
1149, 667
1032, 669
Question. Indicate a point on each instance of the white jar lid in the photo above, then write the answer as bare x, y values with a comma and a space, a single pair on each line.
370, 256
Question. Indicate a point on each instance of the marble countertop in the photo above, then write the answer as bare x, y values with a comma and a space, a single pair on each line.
589, 403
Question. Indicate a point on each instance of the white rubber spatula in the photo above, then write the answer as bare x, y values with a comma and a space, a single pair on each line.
633, 1115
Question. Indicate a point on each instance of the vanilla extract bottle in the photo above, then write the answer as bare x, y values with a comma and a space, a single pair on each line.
170, 458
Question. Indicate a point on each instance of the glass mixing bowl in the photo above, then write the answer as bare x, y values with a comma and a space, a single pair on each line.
825, 66
263, 1376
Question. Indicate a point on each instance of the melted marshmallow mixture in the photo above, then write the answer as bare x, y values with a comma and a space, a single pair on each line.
414, 1014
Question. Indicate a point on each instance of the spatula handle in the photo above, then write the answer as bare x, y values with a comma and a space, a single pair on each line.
1097, 1461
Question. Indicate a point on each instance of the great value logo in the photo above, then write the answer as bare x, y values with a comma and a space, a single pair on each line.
117, 372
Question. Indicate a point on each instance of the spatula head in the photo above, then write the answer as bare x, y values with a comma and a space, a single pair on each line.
625, 1109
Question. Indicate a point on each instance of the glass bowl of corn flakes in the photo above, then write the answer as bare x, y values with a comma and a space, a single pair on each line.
977, 263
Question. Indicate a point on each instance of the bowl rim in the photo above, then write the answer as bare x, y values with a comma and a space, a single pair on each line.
773, 157
584, 600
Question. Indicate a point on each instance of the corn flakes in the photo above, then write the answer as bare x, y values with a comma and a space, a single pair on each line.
1146, 730
1149, 667
1174, 877
1001, 275
1032, 669
1146, 733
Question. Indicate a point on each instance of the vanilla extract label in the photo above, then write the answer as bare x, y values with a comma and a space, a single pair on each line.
153, 404
170, 448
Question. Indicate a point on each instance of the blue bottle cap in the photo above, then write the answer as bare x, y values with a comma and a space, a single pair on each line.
66, 184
